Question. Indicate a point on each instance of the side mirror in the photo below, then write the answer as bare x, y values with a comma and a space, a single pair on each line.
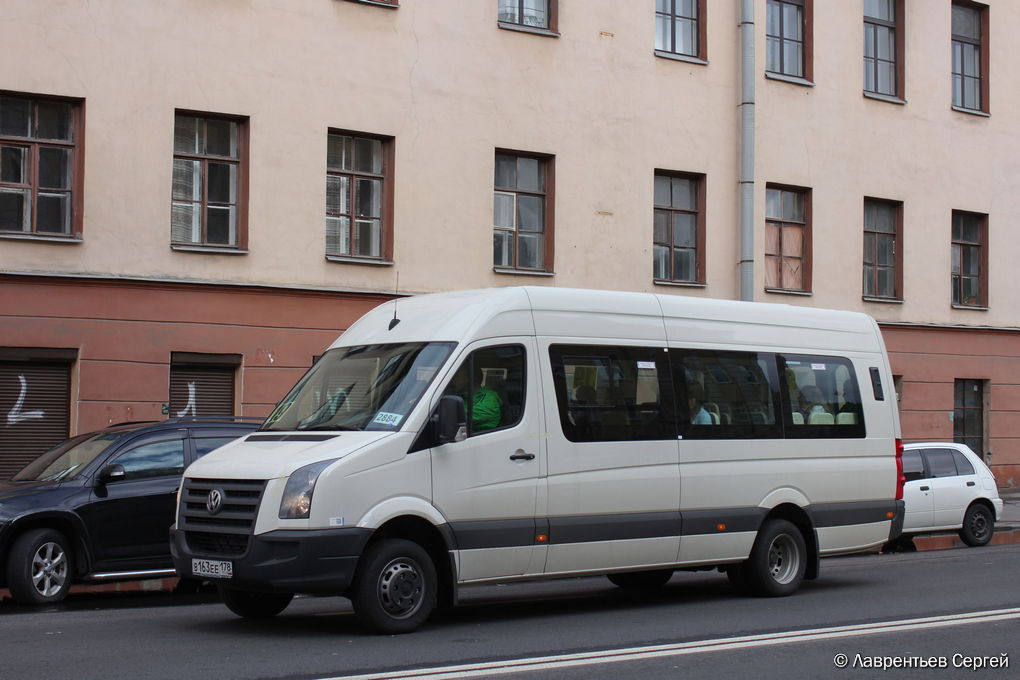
450, 420
111, 473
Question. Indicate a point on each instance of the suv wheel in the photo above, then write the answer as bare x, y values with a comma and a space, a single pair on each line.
39, 568
978, 525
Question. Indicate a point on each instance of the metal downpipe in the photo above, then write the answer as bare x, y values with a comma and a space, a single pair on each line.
747, 157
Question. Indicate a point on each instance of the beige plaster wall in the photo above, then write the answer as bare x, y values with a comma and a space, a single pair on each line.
450, 87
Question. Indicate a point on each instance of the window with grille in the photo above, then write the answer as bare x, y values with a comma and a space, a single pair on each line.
787, 239
537, 14
970, 57
970, 259
882, 249
679, 27
679, 229
522, 215
208, 180
357, 196
788, 38
40, 183
883, 46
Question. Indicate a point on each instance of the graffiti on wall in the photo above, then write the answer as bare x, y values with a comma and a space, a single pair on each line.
16, 415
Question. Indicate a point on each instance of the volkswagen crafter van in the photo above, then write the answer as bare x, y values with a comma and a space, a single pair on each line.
521, 433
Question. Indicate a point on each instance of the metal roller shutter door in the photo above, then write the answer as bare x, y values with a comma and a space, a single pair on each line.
197, 391
35, 411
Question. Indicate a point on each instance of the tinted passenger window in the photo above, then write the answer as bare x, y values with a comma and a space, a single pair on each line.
156, 459
491, 382
822, 398
913, 465
612, 393
940, 462
727, 395
963, 465
207, 444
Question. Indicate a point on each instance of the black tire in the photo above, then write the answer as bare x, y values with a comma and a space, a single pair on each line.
254, 605
40, 567
978, 525
641, 580
777, 562
395, 587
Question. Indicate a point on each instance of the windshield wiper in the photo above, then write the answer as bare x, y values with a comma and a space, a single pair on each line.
342, 428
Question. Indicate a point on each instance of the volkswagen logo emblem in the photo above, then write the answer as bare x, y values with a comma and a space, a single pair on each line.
214, 501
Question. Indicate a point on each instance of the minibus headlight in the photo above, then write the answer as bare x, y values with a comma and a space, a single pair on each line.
297, 495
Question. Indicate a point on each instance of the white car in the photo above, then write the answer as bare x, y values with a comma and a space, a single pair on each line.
949, 487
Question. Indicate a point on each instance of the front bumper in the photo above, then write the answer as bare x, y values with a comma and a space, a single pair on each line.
286, 561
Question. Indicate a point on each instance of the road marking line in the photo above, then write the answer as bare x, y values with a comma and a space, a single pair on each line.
545, 663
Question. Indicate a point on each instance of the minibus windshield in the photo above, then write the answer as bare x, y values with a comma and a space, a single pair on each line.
366, 387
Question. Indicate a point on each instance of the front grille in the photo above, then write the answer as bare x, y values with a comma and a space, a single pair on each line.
217, 544
225, 532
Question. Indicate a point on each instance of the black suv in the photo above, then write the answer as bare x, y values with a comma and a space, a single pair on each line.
98, 507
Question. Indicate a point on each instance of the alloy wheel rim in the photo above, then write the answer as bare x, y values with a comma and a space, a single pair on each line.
49, 569
784, 559
979, 525
401, 588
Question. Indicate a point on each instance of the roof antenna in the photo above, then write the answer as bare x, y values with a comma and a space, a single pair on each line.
396, 288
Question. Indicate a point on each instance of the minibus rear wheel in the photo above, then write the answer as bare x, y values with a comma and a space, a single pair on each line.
395, 587
777, 562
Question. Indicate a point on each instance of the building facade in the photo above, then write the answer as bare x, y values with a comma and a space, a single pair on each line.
196, 197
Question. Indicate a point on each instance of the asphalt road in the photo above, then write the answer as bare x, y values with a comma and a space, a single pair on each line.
584, 628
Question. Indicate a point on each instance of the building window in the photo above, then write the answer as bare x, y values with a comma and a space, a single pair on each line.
787, 239
358, 196
522, 212
539, 14
970, 57
882, 249
882, 47
680, 28
970, 259
969, 414
788, 38
40, 183
679, 229
208, 181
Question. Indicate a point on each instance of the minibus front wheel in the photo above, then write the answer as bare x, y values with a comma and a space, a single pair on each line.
776, 564
394, 590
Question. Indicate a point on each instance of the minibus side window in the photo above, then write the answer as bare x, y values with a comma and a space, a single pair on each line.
491, 382
821, 398
608, 393
725, 395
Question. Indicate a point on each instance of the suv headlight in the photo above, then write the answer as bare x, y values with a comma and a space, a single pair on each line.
297, 495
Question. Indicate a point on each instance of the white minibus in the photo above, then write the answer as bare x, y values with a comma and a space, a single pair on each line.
525, 433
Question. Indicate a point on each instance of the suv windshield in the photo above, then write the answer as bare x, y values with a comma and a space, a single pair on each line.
67, 459
367, 387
